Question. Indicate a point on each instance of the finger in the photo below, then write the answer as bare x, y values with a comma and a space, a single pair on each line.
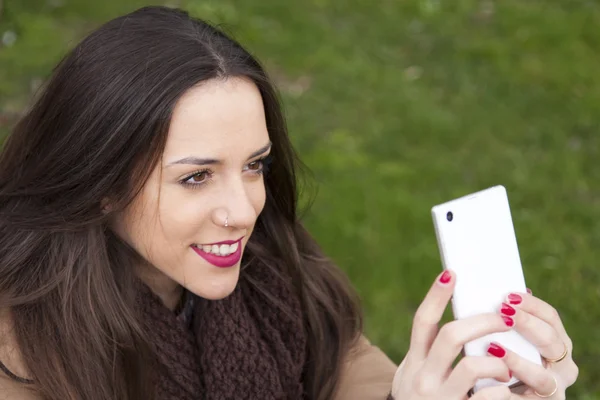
538, 332
496, 393
469, 370
454, 335
543, 311
429, 314
535, 376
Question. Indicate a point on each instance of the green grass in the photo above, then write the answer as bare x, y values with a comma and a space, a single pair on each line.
400, 105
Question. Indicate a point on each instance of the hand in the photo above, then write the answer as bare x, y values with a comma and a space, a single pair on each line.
540, 323
426, 373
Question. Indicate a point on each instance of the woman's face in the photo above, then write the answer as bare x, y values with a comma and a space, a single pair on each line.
194, 216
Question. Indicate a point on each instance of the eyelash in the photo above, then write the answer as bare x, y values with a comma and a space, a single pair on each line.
264, 168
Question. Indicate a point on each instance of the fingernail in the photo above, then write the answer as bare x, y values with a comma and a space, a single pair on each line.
445, 278
507, 310
514, 298
496, 350
508, 321
529, 291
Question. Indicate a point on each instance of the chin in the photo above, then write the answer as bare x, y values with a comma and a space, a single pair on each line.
216, 287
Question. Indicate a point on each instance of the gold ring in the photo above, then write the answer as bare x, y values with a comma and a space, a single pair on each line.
559, 359
551, 394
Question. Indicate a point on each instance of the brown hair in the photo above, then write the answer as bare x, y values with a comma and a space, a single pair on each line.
96, 131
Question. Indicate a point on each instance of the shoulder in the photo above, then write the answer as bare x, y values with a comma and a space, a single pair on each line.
10, 358
367, 373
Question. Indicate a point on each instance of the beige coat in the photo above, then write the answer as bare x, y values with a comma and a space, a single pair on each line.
367, 374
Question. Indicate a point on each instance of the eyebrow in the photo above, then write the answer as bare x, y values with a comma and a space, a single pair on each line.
191, 160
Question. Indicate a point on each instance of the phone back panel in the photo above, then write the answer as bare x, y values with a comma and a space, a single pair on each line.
480, 246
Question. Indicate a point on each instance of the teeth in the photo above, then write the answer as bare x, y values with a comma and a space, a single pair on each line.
222, 250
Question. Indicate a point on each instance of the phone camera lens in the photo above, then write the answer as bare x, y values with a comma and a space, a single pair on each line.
449, 216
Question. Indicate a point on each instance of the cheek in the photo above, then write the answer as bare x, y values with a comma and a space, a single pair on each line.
135, 223
161, 228
182, 215
258, 198
138, 222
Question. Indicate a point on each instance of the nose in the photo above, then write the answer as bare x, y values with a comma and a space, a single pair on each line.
237, 208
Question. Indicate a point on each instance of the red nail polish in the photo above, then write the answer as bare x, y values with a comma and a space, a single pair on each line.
514, 298
507, 310
508, 321
445, 278
496, 350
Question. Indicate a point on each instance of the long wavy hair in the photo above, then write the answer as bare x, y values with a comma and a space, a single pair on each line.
96, 131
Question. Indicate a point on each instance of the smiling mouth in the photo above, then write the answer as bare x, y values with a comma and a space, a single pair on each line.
222, 250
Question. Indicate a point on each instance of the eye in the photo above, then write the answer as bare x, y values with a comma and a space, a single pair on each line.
255, 165
197, 178
260, 166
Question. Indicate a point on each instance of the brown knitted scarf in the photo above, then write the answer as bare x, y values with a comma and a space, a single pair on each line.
241, 347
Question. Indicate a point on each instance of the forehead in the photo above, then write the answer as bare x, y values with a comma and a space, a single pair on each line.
216, 116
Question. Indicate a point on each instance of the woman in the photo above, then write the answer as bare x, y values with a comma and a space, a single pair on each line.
150, 246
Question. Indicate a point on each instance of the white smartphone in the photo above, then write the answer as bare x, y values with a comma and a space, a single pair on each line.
477, 241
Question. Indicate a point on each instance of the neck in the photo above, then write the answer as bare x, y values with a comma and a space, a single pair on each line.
169, 291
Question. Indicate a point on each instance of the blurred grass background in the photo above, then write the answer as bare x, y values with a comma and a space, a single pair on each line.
400, 105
